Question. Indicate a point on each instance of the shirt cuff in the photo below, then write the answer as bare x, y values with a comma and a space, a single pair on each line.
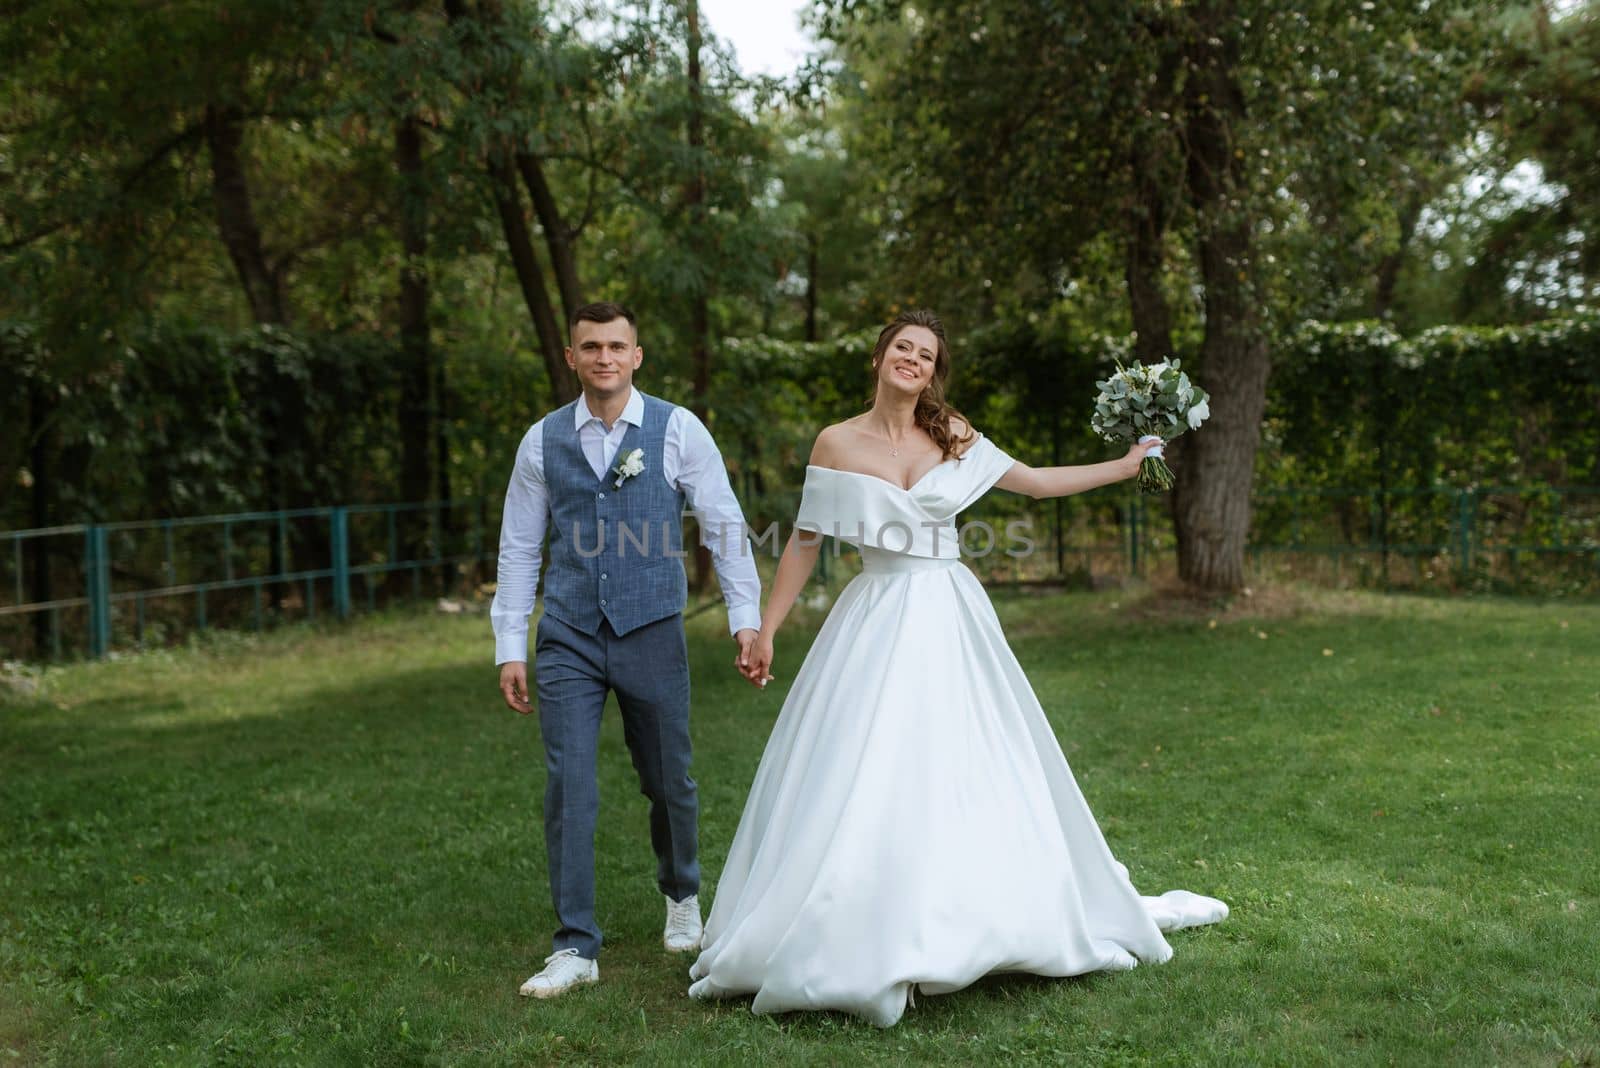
745, 617
508, 647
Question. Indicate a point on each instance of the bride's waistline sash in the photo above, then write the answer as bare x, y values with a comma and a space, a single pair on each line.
887, 562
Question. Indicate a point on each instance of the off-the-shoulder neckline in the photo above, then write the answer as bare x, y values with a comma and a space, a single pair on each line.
882, 480
895, 485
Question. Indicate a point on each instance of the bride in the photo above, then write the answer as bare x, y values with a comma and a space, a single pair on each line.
913, 822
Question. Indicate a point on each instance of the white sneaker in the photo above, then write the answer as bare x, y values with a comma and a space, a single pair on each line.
683, 925
563, 970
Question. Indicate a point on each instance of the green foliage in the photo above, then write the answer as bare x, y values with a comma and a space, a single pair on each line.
1541, 98
1350, 405
172, 423
1357, 405
1020, 141
769, 398
989, 160
106, 207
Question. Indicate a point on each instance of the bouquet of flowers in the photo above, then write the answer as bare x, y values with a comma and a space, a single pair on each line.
1143, 403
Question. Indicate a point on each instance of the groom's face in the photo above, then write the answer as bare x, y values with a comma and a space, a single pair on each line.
605, 355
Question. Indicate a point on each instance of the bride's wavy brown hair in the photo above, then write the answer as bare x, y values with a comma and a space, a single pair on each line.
933, 412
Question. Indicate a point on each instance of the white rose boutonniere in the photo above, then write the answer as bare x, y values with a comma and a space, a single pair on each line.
632, 464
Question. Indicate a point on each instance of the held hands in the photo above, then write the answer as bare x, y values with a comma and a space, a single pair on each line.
753, 660
755, 657
514, 686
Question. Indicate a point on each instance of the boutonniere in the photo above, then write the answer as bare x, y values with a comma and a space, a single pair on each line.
631, 465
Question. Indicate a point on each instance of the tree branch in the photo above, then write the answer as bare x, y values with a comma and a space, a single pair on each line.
129, 180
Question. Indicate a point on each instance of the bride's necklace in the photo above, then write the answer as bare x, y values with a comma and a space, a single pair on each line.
894, 447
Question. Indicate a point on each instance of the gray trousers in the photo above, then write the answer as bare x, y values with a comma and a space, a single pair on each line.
648, 668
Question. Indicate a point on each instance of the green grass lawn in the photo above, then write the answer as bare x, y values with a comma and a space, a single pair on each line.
323, 846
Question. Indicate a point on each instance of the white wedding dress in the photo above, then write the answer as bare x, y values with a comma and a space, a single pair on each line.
913, 820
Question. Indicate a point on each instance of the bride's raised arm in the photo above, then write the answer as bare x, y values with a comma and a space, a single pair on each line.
1043, 482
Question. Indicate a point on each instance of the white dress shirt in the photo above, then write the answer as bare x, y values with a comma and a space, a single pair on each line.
690, 462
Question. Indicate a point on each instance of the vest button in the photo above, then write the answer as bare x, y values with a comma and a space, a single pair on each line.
603, 575
602, 600
601, 496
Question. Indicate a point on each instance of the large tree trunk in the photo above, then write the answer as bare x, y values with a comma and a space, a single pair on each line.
558, 236
1211, 507
236, 219
699, 303
1155, 168
1147, 304
449, 521
1211, 504
531, 278
43, 504
416, 371
812, 266
281, 407
502, 166
1389, 267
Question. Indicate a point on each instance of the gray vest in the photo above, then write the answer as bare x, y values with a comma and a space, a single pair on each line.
616, 553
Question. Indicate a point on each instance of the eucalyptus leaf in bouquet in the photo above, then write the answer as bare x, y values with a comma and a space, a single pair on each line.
1149, 401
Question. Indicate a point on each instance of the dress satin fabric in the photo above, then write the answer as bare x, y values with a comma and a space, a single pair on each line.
913, 821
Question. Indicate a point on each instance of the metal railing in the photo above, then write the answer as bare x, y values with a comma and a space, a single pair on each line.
1531, 539
127, 578
1479, 537
113, 584
1523, 539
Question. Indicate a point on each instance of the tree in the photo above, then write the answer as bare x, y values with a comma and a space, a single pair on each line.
830, 273
109, 131
1541, 97
1025, 135
497, 46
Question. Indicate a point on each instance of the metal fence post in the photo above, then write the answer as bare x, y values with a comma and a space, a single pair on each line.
98, 565
1464, 510
1132, 511
340, 538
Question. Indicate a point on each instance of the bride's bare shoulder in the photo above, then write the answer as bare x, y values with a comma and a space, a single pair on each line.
831, 444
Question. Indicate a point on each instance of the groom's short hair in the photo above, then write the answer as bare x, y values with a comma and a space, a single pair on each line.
603, 311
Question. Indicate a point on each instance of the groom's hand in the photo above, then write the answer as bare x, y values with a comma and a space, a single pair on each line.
755, 657
746, 638
514, 686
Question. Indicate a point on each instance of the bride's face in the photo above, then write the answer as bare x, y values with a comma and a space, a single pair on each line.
908, 364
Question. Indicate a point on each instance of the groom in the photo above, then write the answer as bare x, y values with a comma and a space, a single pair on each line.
607, 477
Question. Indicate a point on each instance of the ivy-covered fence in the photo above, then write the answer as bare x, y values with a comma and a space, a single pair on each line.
1465, 458
1351, 407
1356, 406
1462, 459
